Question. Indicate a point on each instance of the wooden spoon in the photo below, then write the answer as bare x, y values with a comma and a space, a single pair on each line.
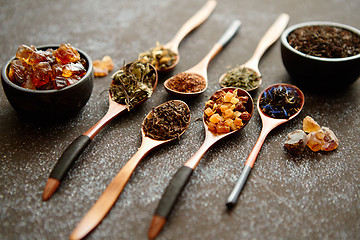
269, 123
272, 34
74, 150
200, 69
188, 26
182, 176
103, 205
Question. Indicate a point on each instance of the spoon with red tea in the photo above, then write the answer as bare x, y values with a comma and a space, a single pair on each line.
277, 104
74, 150
248, 76
163, 124
234, 104
194, 81
167, 56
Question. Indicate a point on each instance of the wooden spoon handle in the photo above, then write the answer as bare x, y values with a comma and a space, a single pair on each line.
192, 23
271, 35
201, 67
103, 205
168, 200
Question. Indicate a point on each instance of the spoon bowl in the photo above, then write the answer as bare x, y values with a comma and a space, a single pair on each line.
192, 23
108, 198
268, 124
272, 34
74, 150
200, 69
182, 176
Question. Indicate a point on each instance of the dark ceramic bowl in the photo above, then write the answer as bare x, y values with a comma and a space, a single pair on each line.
318, 72
49, 103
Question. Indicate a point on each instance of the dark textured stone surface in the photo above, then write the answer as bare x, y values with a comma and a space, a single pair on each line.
312, 196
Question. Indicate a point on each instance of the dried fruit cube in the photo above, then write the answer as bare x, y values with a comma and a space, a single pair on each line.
228, 113
228, 96
309, 125
229, 122
215, 118
238, 121
224, 107
211, 126
234, 100
237, 114
208, 112
221, 128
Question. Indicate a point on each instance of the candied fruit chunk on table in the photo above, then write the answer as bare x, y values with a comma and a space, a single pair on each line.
296, 142
102, 67
309, 125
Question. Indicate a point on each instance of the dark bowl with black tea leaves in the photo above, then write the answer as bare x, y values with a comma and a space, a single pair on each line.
316, 64
54, 103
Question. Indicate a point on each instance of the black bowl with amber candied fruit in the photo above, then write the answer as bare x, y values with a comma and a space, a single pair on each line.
48, 81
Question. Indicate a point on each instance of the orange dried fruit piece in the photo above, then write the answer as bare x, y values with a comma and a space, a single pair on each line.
103, 67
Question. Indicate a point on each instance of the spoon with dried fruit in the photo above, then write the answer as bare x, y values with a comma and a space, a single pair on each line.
248, 76
194, 81
166, 57
131, 86
277, 104
163, 124
227, 111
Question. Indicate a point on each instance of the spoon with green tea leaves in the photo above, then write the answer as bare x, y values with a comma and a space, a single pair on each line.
165, 57
163, 124
277, 104
194, 81
226, 112
248, 76
132, 85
